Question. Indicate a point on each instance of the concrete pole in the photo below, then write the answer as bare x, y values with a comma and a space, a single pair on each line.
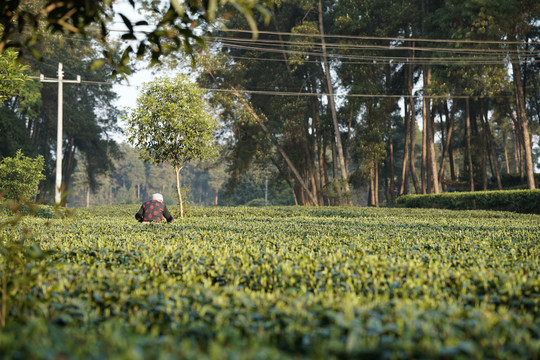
59, 130
58, 184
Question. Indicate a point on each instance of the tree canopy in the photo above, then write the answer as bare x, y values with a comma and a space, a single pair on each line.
12, 74
172, 29
416, 87
172, 123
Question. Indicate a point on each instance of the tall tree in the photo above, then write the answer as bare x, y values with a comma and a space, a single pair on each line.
500, 28
331, 101
270, 125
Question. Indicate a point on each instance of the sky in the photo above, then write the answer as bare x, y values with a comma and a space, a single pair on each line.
128, 90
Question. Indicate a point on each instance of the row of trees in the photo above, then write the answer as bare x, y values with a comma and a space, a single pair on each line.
133, 180
77, 34
417, 114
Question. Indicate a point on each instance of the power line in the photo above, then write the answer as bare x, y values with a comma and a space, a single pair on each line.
356, 37
350, 46
373, 59
384, 59
359, 37
487, 56
395, 96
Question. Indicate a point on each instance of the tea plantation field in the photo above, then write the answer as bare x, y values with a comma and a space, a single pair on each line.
274, 283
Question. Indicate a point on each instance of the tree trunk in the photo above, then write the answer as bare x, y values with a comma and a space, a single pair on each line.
449, 131
376, 184
414, 177
444, 125
468, 144
484, 150
453, 175
425, 108
412, 123
371, 185
506, 160
423, 167
177, 169
309, 149
320, 151
493, 158
518, 143
522, 120
291, 166
68, 162
392, 166
335, 166
389, 134
405, 165
332, 105
433, 156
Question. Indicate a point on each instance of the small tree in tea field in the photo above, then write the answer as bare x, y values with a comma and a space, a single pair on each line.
171, 123
20, 176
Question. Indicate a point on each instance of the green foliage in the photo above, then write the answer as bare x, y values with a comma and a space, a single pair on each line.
132, 180
19, 265
282, 283
11, 207
251, 186
171, 122
12, 75
256, 202
174, 30
20, 176
522, 201
28, 121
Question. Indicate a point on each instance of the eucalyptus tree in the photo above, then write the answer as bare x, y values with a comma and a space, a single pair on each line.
276, 129
502, 30
172, 123
373, 36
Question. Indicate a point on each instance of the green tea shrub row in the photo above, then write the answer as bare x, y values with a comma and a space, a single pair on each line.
281, 283
521, 201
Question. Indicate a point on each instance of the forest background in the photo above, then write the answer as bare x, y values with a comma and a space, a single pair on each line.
335, 102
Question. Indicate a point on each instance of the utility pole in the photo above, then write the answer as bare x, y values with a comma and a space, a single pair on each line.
60, 80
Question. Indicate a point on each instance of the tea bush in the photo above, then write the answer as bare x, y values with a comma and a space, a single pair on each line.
522, 201
281, 282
